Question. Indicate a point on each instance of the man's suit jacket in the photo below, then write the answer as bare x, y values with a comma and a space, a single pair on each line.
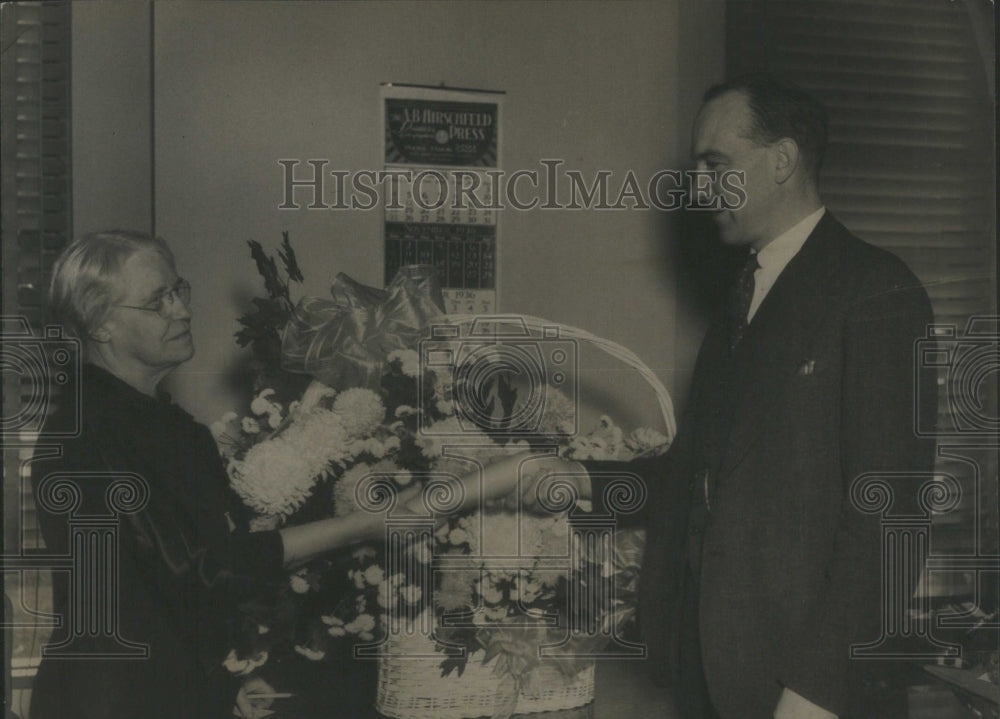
823, 391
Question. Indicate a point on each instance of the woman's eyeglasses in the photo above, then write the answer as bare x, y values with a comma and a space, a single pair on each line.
161, 304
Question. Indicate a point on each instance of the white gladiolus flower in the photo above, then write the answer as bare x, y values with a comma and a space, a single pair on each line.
314, 394
242, 667
262, 405
250, 425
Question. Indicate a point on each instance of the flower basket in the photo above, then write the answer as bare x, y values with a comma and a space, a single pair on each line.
410, 686
411, 683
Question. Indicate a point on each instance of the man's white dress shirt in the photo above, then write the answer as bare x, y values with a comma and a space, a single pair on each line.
777, 254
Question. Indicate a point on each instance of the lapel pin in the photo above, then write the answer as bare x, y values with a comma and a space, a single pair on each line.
807, 367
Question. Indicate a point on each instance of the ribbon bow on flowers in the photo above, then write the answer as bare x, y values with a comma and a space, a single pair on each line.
344, 342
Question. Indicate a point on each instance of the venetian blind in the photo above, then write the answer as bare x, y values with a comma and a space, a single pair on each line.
35, 115
910, 164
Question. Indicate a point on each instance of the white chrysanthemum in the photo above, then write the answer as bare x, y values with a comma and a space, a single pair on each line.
265, 523
322, 435
488, 590
360, 410
376, 447
547, 536
504, 534
311, 654
526, 590
274, 478
645, 439
361, 623
458, 536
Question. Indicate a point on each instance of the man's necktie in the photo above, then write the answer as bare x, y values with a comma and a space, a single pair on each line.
739, 301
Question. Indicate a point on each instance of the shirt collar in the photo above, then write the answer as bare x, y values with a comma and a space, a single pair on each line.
779, 251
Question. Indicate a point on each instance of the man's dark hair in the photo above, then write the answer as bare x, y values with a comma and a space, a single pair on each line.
781, 109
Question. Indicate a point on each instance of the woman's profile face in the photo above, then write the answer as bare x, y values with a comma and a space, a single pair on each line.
143, 326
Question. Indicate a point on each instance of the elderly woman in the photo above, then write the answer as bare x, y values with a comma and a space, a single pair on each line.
186, 559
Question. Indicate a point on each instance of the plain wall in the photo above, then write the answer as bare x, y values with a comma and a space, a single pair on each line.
111, 120
238, 85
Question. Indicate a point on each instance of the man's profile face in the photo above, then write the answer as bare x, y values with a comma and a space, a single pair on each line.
142, 336
720, 143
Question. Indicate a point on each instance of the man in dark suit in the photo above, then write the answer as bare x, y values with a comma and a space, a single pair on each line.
759, 572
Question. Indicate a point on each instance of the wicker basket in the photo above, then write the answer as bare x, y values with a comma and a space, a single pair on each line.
411, 686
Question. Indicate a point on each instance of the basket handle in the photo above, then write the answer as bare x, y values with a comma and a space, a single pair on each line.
623, 354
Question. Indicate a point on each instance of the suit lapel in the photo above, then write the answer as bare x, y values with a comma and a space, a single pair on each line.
779, 338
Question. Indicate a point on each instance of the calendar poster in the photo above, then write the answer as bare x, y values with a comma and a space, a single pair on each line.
441, 151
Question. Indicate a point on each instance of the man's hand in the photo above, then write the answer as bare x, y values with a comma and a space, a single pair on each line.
794, 706
254, 699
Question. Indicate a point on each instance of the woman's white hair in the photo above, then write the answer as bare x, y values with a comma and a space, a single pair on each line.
82, 289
